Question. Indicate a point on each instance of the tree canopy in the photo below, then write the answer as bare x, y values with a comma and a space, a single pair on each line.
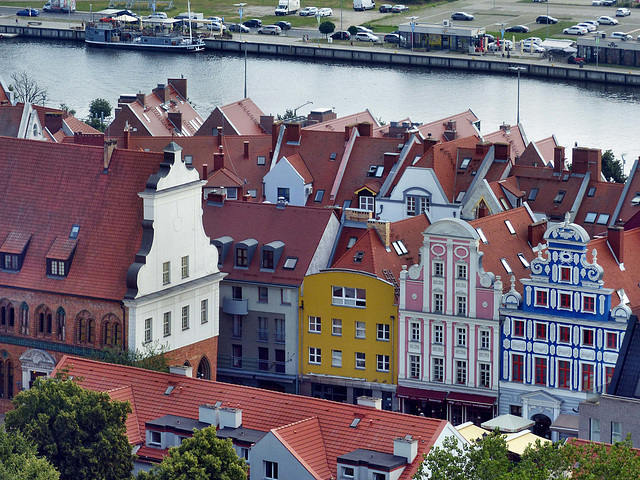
99, 109
612, 168
26, 89
201, 457
18, 460
327, 27
81, 432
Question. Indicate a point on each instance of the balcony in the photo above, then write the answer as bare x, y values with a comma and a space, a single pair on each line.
232, 306
263, 335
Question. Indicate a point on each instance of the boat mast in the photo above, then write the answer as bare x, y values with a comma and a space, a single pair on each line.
189, 10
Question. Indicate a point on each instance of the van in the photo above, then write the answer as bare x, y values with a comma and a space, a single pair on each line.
621, 36
361, 5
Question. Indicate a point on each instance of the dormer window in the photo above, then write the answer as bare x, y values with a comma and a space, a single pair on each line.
559, 197
59, 257
13, 251
267, 259
271, 253
155, 438
223, 244
244, 252
241, 257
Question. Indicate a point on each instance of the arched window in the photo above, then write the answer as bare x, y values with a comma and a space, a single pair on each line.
44, 319
85, 328
7, 314
204, 369
186, 363
111, 331
61, 323
24, 318
3, 380
9, 366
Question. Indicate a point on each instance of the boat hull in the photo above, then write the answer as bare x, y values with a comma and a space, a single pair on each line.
191, 48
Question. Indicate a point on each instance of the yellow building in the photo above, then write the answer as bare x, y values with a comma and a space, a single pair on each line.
348, 336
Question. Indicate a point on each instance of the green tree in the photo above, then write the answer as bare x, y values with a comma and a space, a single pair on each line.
612, 168
326, 28
18, 460
288, 115
596, 461
26, 89
201, 457
81, 432
65, 108
352, 30
99, 109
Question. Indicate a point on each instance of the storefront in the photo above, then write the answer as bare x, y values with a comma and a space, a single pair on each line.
611, 51
444, 36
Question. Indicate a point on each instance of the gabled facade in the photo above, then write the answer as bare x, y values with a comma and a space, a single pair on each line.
448, 328
290, 181
561, 337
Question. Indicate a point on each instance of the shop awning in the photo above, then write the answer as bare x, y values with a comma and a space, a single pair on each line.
508, 423
566, 424
420, 394
482, 401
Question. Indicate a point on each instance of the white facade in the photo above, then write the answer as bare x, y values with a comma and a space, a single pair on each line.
284, 176
270, 451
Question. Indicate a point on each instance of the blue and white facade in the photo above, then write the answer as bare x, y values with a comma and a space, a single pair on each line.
562, 339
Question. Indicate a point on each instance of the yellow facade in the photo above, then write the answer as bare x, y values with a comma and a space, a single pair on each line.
348, 326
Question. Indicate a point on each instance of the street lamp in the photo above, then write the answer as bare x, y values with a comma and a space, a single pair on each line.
413, 28
295, 110
240, 11
318, 20
340, 15
547, 20
518, 69
245, 69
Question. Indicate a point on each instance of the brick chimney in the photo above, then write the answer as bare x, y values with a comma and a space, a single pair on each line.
390, 160
482, 148
535, 233
219, 136
245, 151
615, 238
502, 151
292, 133
53, 121
109, 146
365, 129
162, 91
205, 171
558, 159
176, 119
347, 132
218, 159
383, 227
140, 97
428, 142
587, 160
179, 85
266, 122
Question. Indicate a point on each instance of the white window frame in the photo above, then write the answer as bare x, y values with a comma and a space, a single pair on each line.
484, 375
315, 324
437, 369
336, 327
485, 339
366, 202
360, 329
204, 311
166, 324
438, 333
271, 470
315, 356
185, 267
361, 360
415, 334
438, 300
383, 363
336, 358
570, 307
437, 267
461, 271
383, 332
415, 366
595, 305
461, 336
166, 273
185, 317
148, 330
461, 372
349, 296
461, 306
535, 297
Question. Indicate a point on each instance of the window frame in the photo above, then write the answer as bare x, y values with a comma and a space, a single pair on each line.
588, 298
336, 327
461, 372
484, 339
438, 299
415, 366
437, 334
360, 361
315, 356
564, 373
185, 317
484, 375
588, 370
561, 336
562, 305
315, 324
461, 337
166, 324
204, 311
517, 365
609, 345
361, 329
166, 273
383, 363
542, 297
437, 369
348, 297
383, 332
184, 270
519, 328
541, 331
541, 369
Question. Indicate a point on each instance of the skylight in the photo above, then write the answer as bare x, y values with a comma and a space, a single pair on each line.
460, 196
591, 192
559, 196
319, 196
481, 235
357, 258
523, 260
262, 159
333, 157
512, 230
354, 422
532, 194
75, 229
506, 266
565, 177
591, 217
169, 390
218, 404
399, 247
290, 263
465, 163
352, 242
636, 199
603, 219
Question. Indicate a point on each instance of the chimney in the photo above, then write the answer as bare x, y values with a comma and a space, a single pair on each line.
558, 160
535, 233
292, 133
482, 148
53, 121
505, 127
246, 150
502, 151
365, 129
162, 91
406, 447
347, 132
370, 402
109, 146
450, 132
390, 160
587, 160
219, 136
230, 417
140, 97
246, 197
281, 203
179, 85
428, 142
127, 137
218, 159
615, 237
383, 227
208, 414
176, 119
181, 370
205, 171
266, 122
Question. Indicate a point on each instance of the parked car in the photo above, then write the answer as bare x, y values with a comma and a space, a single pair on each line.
536, 40
489, 38
529, 45
596, 3
591, 22
216, 19
253, 23
399, 8
546, 19
308, 12
366, 37
462, 16
494, 47
391, 38
284, 25
605, 20
161, 15
238, 27
621, 36
518, 29
623, 12
28, 12
362, 29
589, 26
270, 30
575, 30
216, 27
609, 3
341, 35
385, 8
575, 60
539, 0
325, 12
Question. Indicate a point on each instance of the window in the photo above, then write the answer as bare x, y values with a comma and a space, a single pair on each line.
283, 193
11, 261
336, 327
518, 328
263, 295
565, 301
525, 263
147, 330
284, 296
438, 333
280, 334
465, 163
263, 329
166, 273
461, 303
185, 317
383, 331
485, 375
262, 160
589, 303
461, 372
415, 331
485, 340
204, 311
438, 369
542, 298
348, 472
267, 259
438, 269
559, 197
590, 217
565, 334
237, 327
360, 360
315, 356
541, 331
541, 371
366, 203
349, 297
414, 366
564, 374
379, 476
319, 196
252, 192
591, 192
57, 268
280, 361
608, 375
461, 337
290, 263
482, 236
382, 362
603, 219
270, 470
461, 271
565, 273
156, 438
612, 340
352, 241
594, 429
357, 258
587, 337
241, 257
506, 266
185, 266
425, 203
517, 368
587, 377
166, 324
336, 358
315, 325
438, 303
236, 293
512, 230
263, 359
411, 206
616, 432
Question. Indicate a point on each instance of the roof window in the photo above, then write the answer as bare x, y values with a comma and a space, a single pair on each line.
319, 196
59, 257
591, 217
351, 242
532, 194
465, 163
354, 422
290, 263
399, 247
481, 235
512, 230
565, 178
262, 160
333, 157
603, 219
375, 171
636, 199
559, 196
591, 192
523, 260
223, 244
357, 258
75, 229
506, 265
460, 196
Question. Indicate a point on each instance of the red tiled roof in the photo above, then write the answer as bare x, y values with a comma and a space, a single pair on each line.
125, 394
546, 147
62, 248
264, 410
224, 178
339, 124
464, 126
244, 115
603, 202
304, 440
15, 243
297, 162
10, 117
512, 135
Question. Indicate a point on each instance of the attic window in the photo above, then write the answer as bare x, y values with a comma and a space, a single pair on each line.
399, 247
481, 235
354, 422
591, 192
465, 163
460, 196
290, 263
591, 217
375, 171
319, 196
351, 242
622, 296
357, 258
523, 260
532, 194
512, 230
188, 159
13, 251
559, 196
506, 266
169, 390
59, 257
565, 177
603, 219
333, 157
262, 160
75, 229
636, 199
218, 404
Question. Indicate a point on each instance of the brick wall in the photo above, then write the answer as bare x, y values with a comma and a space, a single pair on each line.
194, 354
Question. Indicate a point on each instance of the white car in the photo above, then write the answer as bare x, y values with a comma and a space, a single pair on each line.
216, 27
535, 40
366, 37
589, 26
362, 29
575, 30
623, 12
605, 20
325, 12
507, 44
399, 8
597, 3
529, 46
270, 30
161, 15
308, 11
591, 22
621, 36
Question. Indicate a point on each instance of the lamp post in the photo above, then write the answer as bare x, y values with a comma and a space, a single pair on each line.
413, 28
318, 20
245, 69
547, 20
340, 15
597, 47
295, 110
518, 69
240, 11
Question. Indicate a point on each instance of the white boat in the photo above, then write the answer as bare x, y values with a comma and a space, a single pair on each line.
121, 35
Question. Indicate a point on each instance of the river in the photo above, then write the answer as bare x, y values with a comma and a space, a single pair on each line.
592, 115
